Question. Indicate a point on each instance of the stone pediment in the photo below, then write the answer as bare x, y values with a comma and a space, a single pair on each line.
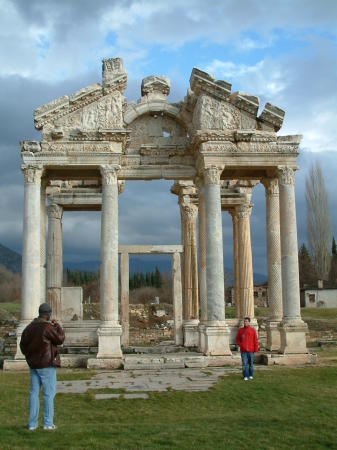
66, 110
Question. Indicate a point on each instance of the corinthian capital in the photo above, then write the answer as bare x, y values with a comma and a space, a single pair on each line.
189, 211
109, 173
212, 174
244, 211
32, 174
286, 175
271, 186
54, 211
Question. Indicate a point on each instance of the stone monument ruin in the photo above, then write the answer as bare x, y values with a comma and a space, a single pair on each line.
215, 149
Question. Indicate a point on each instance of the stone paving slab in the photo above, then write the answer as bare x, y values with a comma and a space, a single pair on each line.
143, 381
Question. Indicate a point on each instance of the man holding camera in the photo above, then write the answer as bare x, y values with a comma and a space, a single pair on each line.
39, 343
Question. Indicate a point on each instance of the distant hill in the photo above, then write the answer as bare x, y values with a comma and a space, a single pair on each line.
10, 259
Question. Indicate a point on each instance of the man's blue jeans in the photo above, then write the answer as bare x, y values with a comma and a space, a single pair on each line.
47, 379
247, 364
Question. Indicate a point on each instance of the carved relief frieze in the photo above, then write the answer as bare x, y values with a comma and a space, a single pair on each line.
219, 147
248, 122
105, 113
210, 113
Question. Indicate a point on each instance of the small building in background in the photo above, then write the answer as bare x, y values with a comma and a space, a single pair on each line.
320, 296
260, 296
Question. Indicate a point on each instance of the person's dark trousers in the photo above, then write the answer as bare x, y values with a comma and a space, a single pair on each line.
247, 364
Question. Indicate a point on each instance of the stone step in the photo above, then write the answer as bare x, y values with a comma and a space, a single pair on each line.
169, 361
78, 350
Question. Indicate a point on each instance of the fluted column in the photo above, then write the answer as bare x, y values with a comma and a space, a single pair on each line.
236, 265
246, 286
189, 213
202, 254
43, 212
216, 332
110, 330
124, 271
31, 257
55, 260
292, 327
274, 263
177, 299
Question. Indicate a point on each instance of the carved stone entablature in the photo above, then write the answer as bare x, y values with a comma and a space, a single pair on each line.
272, 115
32, 173
155, 87
247, 102
109, 173
30, 146
113, 73
203, 82
99, 135
218, 147
211, 113
78, 147
286, 175
254, 136
271, 186
201, 136
55, 211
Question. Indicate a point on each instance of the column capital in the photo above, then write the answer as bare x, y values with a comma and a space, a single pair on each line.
32, 173
109, 173
54, 211
234, 214
286, 175
212, 174
188, 209
243, 211
271, 186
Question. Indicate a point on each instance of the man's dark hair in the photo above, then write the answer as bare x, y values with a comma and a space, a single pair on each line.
247, 318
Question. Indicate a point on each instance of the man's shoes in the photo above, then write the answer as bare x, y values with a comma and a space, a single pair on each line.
32, 428
251, 378
245, 379
50, 427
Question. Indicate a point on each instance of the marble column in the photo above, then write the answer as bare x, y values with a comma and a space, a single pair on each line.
124, 271
109, 332
236, 265
246, 286
215, 333
43, 293
31, 257
177, 299
202, 266
292, 328
55, 260
274, 263
189, 213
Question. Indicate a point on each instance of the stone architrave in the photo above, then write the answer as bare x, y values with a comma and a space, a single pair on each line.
109, 332
215, 333
274, 263
246, 287
292, 328
124, 271
189, 213
55, 260
177, 299
31, 256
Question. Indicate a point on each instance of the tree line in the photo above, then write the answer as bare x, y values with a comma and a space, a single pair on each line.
137, 280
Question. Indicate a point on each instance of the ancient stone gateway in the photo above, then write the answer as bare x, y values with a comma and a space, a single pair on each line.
215, 149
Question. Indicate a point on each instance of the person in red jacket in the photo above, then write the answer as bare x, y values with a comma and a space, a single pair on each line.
248, 343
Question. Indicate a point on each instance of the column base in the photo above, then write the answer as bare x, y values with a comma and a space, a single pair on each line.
273, 335
214, 340
191, 333
292, 334
109, 340
22, 325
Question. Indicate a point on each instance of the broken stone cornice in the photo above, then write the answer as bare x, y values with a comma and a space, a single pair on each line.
203, 82
272, 115
247, 102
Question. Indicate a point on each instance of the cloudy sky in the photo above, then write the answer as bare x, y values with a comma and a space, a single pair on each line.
284, 51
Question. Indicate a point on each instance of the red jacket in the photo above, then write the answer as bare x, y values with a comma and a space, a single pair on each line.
247, 339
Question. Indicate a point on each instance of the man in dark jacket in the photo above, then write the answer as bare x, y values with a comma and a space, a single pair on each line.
248, 342
38, 343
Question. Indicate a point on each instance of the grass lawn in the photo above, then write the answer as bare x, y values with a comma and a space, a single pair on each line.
281, 409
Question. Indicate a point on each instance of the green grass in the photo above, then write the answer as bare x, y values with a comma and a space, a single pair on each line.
9, 309
319, 313
280, 409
